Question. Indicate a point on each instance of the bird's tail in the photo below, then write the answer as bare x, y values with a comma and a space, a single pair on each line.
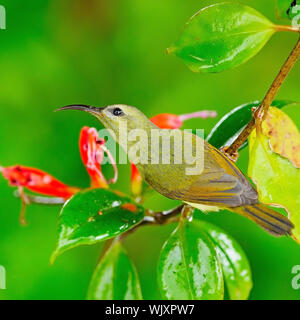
269, 219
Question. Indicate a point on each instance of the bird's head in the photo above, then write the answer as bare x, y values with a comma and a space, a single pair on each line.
116, 117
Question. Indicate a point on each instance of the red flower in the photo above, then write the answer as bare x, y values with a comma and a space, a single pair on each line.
167, 121
92, 156
135, 181
92, 150
173, 121
37, 181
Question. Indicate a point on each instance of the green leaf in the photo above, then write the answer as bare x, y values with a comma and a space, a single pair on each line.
276, 178
287, 9
235, 265
95, 215
230, 126
188, 267
221, 37
115, 277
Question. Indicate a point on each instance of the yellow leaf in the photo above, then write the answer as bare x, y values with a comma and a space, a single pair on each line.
283, 135
276, 178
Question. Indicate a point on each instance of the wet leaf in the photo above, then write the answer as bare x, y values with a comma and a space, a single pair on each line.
283, 135
276, 178
115, 277
287, 9
230, 126
189, 267
222, 36
95, 215
235, 265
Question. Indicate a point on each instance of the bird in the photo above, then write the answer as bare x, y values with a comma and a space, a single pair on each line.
218, 185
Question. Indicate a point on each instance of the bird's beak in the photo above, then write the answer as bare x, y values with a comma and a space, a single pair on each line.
93, 110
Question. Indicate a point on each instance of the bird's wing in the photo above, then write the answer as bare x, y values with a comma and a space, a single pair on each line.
221, 183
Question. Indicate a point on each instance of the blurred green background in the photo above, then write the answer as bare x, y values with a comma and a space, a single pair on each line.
102, 52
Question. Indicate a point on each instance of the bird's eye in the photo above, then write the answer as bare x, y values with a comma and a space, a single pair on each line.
117, 112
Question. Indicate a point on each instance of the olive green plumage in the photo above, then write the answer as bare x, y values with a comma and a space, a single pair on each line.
220, 184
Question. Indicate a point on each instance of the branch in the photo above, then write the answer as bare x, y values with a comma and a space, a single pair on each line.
157, 218
163, 217
261, 112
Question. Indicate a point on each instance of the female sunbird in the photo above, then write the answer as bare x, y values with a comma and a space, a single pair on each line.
220, 185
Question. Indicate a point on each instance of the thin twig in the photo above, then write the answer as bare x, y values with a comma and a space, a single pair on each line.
24, 203
41, 200
162, 217
287, 28
261, 112
187, 213
107, 245
157, 218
